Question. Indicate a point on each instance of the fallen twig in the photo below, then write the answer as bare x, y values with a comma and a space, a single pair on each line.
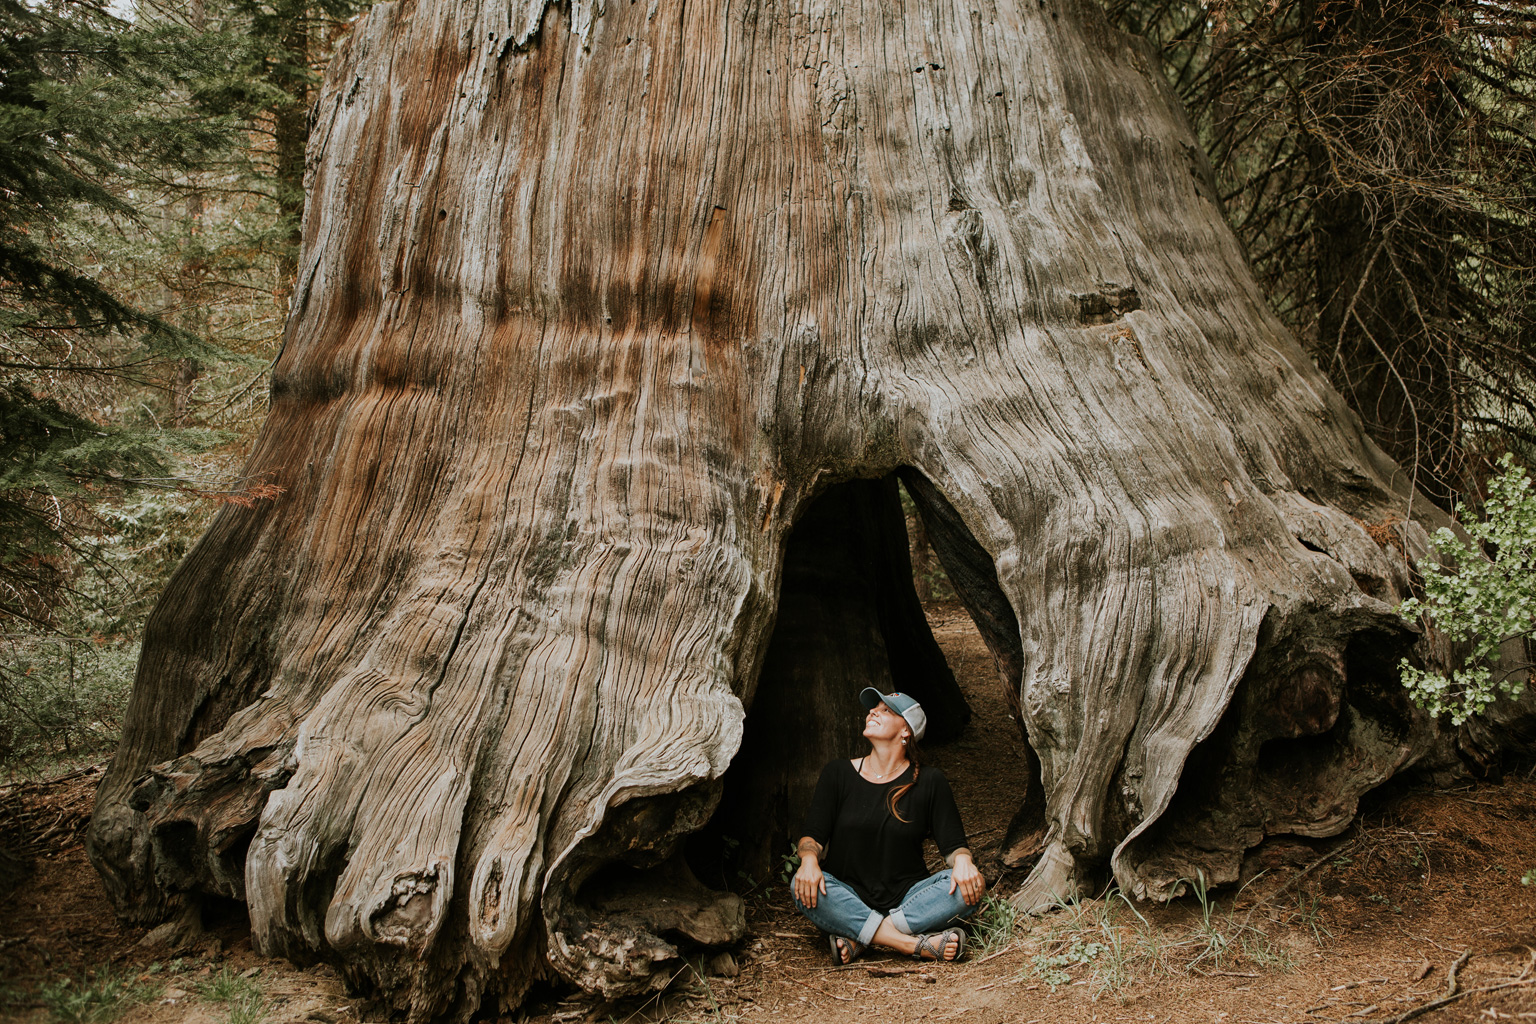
1456, 965
659, 993
1523, 980
1437, 945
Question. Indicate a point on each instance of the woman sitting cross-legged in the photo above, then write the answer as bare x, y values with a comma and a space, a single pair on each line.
862, 879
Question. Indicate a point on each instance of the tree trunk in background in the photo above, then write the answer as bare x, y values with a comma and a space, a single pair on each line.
289, 74
592, 304
922, 558
191, 312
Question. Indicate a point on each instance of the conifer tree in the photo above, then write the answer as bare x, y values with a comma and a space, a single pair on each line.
150, 237
89, 108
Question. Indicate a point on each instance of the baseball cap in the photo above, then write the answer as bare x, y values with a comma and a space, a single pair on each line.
905, 706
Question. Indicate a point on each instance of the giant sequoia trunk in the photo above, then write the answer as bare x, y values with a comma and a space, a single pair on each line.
594, 303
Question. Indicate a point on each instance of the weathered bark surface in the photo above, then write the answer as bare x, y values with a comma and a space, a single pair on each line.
592, 303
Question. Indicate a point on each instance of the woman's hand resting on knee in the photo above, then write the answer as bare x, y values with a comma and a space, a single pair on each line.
965, 877
810, 883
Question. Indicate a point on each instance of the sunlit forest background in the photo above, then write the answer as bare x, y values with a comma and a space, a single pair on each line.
1377, 160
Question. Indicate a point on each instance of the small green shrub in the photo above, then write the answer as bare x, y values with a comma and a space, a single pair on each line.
1478, 600
1087, 935
61, 699
789, 863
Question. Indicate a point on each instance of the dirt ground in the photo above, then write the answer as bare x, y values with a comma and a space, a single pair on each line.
1422, 896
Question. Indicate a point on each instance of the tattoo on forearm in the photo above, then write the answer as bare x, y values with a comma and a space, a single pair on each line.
809, 848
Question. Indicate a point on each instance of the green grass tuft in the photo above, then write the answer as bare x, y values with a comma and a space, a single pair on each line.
95, 996
1109, 944
241, 996
993, 926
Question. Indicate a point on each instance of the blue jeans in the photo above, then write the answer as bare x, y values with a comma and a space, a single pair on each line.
927, 906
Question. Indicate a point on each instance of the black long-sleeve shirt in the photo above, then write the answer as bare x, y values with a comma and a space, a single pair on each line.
864, 845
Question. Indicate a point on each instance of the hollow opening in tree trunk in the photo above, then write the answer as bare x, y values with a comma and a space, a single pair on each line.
972, 572
850, 616
1311, 727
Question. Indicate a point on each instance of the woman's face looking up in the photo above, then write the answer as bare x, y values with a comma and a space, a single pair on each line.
884, 724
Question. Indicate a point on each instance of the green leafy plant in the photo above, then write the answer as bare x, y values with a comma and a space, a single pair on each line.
1051, 968
789, 863
1087, 934
1529, 878
1482, 600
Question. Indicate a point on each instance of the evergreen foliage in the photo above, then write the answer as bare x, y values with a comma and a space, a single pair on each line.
272, 50
86, 112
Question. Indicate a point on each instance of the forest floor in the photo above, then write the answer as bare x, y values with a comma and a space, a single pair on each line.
1421, 896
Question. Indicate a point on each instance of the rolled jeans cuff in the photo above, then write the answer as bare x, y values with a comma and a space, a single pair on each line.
839, 911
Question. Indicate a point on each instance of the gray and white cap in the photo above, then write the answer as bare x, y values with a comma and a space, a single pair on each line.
910, 710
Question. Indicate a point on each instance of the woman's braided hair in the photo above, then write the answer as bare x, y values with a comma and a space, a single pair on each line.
901, 791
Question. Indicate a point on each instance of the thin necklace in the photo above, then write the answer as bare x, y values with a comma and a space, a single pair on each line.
877, 775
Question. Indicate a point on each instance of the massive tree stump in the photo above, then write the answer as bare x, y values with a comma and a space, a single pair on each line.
594, 302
